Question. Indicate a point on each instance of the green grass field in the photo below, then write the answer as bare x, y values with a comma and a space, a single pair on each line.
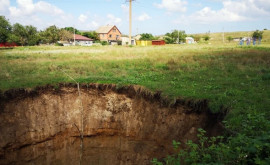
217, 38
228, 75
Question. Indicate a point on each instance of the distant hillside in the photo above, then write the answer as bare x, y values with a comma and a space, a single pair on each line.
218, 37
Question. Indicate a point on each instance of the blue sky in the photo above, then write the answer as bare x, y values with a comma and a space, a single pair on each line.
149, 16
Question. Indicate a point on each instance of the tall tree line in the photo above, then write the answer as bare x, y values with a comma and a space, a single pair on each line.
29, 35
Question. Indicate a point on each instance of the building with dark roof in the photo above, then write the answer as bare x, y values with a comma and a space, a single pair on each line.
82, 40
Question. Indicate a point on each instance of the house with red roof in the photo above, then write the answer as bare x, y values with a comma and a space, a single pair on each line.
82, 40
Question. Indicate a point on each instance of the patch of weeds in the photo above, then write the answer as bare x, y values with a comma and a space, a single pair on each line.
162, 66
244, 146
14, 57
266, 76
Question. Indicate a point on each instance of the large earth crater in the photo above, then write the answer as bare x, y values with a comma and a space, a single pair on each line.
101, 124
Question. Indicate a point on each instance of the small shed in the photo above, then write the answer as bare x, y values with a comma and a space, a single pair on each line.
190, 40
158, 42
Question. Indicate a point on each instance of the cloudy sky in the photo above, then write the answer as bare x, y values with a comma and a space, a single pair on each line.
149, 16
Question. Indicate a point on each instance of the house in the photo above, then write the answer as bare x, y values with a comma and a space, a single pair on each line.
125, 41
82, 40
109, 33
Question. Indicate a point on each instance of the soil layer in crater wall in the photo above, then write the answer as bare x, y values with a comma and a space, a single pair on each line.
127, 125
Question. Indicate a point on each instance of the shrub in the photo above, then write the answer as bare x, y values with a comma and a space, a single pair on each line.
58, 44
244, 146
104, 43
206, 38
257, 34
229, 38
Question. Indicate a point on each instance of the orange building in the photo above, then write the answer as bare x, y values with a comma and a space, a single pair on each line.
109, 33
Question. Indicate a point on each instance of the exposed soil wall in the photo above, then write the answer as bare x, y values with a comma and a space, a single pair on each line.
127, 125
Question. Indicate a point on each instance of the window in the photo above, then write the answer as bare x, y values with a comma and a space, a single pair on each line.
114, 29
117, 37
110, 36
103, 35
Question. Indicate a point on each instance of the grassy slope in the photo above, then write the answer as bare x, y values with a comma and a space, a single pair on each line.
237, 77
218, 37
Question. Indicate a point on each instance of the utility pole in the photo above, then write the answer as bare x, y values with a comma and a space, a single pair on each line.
130, 20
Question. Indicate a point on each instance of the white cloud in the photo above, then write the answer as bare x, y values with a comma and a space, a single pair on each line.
263, 4
4, 6
40, 14
89, 21
113, 19
27, 7
125, 8
95, 24
173, 5
82, 18
47, 8
144, 17
232, 11
248, 8
207, 15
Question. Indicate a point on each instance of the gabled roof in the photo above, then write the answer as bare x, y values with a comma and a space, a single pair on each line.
82, 38
106, 29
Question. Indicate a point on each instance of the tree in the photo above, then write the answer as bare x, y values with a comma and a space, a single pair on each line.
65, 35
229, 38
19, 34
257, 34
50, 35
172, 37
24, 35
168, 39
5, 29
71, 29
93, 35
147, 37
32, 35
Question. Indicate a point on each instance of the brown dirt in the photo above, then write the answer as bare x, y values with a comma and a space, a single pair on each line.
127, 125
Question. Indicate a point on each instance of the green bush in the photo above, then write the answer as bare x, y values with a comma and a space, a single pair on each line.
245, 146
104, 43
58, 44
206, 38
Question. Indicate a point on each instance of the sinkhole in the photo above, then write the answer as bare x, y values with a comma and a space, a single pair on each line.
97, 124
